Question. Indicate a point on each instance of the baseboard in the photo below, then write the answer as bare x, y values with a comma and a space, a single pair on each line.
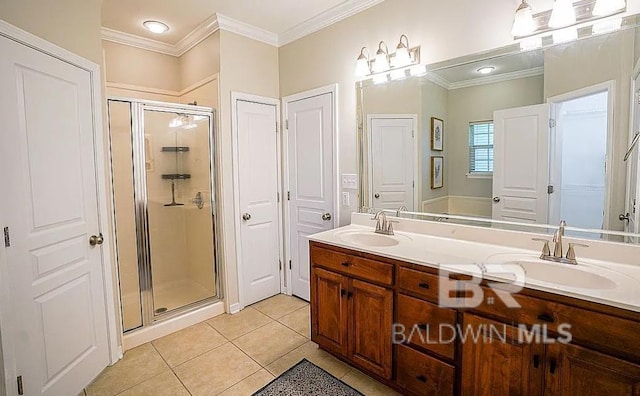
234, 308
470, 206
148, 334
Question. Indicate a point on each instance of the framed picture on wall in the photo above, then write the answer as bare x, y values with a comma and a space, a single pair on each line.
437, 171
437, 134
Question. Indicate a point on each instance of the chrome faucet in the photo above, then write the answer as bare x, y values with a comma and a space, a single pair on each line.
557, 240
401, 209
383, 226
557, 256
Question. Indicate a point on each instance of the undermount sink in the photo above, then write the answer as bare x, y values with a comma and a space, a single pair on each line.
368, 238
564, 275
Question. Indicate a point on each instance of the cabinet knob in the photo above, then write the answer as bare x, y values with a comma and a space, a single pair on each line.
552, 366
546, 318
423, 285
421, 378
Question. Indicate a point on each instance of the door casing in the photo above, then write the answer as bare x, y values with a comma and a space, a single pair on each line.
333, 90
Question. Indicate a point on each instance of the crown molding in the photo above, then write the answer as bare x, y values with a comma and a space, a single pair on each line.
536, 71
132, 40
327, 18
195, 37
244, 29
221, 22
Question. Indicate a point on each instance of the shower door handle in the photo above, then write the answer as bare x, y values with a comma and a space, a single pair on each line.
246, 217
96, 240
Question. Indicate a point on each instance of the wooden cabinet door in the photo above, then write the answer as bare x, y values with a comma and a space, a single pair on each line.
371, 316
575, 371
495, 363
329, 310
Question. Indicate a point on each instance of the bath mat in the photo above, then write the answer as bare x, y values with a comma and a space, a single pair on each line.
305, 378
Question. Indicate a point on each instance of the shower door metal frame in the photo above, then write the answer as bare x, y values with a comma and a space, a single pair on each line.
143, 243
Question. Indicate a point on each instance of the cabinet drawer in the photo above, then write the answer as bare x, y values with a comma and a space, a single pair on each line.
607, 333
359, 267
426, 324
420, 283
422, 374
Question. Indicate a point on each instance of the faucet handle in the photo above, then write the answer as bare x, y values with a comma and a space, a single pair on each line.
546, 251
571, 253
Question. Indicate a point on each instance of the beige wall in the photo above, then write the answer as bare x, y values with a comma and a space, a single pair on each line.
247, 66
478, 103
590, 62
434, 104
442, 28
134, 66
201, 61
71, 24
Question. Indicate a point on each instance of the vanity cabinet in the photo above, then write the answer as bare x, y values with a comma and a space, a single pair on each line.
351, 315
358, 300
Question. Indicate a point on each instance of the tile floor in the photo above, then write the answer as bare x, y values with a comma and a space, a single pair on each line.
227, 355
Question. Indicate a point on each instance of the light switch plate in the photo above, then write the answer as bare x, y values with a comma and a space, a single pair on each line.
349, 181
346, 198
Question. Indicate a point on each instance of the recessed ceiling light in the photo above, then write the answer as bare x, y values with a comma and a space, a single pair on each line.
486, 70
156, 27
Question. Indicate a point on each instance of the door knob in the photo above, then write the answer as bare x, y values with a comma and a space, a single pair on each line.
246, 217
326, 216
496, 199
96, 240
624, 217
376, 196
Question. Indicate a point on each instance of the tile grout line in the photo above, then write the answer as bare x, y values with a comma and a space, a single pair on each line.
171, 369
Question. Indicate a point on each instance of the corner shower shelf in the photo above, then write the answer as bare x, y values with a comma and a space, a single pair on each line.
176, 176
175, 149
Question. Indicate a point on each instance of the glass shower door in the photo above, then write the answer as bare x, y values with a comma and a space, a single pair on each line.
181, 249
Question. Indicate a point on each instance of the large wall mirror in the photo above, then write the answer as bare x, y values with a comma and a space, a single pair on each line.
511, 136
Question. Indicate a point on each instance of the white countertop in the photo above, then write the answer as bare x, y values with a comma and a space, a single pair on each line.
621, 288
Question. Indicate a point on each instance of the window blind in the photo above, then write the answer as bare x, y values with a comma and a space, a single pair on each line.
481, 147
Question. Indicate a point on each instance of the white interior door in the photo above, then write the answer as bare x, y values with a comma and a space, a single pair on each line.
633, 169
521, 164
258, 200
49, 198
311, 173
391, 162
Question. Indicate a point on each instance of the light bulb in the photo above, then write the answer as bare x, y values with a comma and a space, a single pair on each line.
156, 26
402, 57
486, 70
608, 7
563, 14
362, 68
523, 23
381, 62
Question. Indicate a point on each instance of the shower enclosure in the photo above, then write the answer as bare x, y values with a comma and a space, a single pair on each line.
164, 203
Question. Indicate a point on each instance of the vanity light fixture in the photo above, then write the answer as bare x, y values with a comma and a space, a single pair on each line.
362, 65
606, 7
381, 62
563, 14
607, 26
565, 35
486, 70
523, 23
380, 78
402, 57
419, 70
156, 26
531, 43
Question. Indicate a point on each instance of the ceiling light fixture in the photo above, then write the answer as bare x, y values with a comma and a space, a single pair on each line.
156, 27
402, 57
563, 14
381, 62
523, 23
362, 64
606, 7
486, 70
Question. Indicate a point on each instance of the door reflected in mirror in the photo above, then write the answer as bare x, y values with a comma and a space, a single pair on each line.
540, 138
